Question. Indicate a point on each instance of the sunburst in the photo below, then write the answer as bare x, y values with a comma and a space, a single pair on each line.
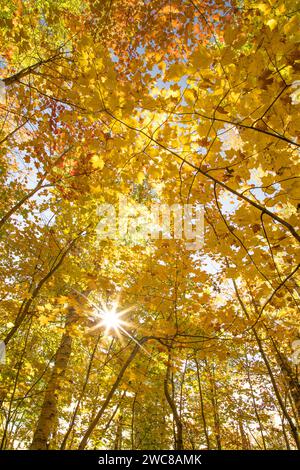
110, 318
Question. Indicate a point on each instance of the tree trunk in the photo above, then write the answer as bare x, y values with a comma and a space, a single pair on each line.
214, 402
179, 436
202, 406
254, 405
48, 415
99, 415
289, 375
281, 403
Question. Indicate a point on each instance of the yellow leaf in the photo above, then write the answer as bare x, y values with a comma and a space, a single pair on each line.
97, 162
200, 58
140, 177
176, 71
263, 8
43, 320
96, 189
272, 24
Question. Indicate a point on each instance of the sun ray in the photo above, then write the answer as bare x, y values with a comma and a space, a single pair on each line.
111, 319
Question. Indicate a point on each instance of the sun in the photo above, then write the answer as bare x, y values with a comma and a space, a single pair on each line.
110, 318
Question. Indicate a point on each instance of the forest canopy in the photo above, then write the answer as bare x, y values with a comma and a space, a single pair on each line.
124, 340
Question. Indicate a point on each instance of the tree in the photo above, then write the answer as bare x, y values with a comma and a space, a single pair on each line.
129, 342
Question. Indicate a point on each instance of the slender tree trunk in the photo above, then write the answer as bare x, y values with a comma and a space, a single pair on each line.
181, 401
285, 434
106, 402
118, 438
285, 367
271, 375
66, 436
132, 421
254, 405
244, 437
214, 402
48, 415
293, 408
289, 375
202, 406
178, 423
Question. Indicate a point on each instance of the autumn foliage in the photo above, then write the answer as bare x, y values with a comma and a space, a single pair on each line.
166, 102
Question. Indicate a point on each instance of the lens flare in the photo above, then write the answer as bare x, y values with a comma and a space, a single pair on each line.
110, 318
